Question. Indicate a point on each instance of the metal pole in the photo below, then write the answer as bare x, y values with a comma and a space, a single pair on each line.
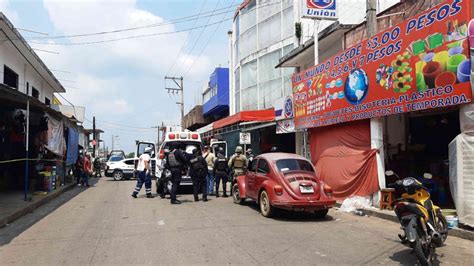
94, 141
182, 100
26, 146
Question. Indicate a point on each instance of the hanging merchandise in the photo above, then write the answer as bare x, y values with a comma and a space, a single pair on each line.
56, 142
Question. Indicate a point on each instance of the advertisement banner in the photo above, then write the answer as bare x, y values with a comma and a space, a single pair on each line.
283, 107
285, 126
320, 9
422, 63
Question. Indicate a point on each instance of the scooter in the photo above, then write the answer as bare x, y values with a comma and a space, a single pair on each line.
424, 226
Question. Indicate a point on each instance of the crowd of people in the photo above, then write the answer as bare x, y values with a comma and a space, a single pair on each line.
86, 167
208, 171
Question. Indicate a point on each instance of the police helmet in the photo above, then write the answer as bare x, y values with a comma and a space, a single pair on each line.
239, 149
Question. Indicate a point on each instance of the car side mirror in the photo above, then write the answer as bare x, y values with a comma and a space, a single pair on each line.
389, 173
427, 175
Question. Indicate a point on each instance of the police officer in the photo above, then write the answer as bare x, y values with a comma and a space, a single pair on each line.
175, 161
237, 163
198, 172
221, 171
145, 174
162, 182
249, 154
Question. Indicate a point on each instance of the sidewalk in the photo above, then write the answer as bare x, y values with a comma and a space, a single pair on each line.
390, 215
13, 206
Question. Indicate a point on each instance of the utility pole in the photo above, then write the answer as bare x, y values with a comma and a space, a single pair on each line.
371, 18
179, 89
94, 141
376, 124
113, 144
158, 129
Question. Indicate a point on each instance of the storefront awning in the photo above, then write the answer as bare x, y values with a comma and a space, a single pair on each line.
256, 115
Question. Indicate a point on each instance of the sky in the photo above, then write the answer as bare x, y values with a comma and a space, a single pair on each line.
121, 83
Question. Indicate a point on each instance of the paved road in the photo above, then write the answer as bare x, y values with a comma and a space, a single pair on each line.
104, 225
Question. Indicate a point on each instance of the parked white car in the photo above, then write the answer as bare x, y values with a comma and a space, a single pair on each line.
122, 169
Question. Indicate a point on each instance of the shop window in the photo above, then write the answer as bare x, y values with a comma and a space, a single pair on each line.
10, 78
35, 93
47, 101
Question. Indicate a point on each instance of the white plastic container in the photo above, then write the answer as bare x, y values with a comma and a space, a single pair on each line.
453, 221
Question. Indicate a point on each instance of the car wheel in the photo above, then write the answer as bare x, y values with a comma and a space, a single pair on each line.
266, 207
321, 213
117, 175
236, 194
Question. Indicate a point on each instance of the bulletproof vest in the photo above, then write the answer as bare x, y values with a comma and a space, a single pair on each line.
198, 166
221, 164
172, 160
239, 161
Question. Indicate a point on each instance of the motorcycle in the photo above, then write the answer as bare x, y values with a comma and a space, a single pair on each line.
424, 226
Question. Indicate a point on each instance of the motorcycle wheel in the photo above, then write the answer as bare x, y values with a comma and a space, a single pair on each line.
442, 227
423, 251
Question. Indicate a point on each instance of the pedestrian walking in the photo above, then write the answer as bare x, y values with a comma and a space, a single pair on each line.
176, 161
237, 163
209, 156
78, 169
198, 172
144, 176
86, 170
97, 166
221, 172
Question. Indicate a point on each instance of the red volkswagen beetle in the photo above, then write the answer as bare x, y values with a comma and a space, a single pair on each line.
284, 181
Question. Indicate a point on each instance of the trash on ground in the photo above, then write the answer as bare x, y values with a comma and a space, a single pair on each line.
354, 203
161, 222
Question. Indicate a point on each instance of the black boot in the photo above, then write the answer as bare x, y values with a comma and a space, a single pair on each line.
196, 199
134, 195
175, 202
204, 199
149, 196
225, 195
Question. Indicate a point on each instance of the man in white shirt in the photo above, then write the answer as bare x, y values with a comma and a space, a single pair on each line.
209, 156
144, 175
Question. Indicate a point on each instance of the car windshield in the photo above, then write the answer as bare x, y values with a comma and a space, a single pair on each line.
115, 159
285, 165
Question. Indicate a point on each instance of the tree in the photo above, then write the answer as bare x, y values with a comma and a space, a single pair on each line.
131, 155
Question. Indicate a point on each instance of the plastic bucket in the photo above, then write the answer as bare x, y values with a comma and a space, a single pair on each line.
453, 221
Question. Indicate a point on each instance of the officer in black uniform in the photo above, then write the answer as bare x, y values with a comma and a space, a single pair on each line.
198, 172
221, 171
175, 162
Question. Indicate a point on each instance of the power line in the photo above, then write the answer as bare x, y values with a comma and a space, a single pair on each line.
178, 20
198, 38
129, 37
185, 42
207, 43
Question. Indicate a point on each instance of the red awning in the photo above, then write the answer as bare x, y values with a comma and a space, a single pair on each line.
257, 115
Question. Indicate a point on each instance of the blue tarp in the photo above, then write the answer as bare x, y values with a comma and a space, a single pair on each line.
72, 146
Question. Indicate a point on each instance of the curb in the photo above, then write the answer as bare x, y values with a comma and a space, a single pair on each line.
456, 232
30, 208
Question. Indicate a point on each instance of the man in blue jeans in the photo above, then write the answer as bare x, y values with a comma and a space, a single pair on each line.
210, 159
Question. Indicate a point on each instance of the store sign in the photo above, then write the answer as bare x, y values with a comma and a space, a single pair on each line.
283, 108
422, 63
320, 9
285, 126
244, 138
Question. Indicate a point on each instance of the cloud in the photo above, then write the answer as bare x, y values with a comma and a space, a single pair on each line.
5, 9
121, 81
